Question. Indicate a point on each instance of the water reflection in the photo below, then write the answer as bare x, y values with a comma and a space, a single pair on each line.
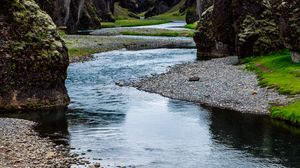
259, 136
50, 123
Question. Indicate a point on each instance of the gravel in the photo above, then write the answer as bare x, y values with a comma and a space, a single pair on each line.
220, 83
21, 146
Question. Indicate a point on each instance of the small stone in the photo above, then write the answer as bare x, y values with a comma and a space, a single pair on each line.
97, 165
194, 79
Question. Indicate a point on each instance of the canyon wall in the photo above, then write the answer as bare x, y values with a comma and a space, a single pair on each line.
33, 58
236, 27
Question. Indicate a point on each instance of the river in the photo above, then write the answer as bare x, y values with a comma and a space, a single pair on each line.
122, 126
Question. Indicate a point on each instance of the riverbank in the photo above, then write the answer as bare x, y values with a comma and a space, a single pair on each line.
20, 146
81, 47
216, 83
278, 71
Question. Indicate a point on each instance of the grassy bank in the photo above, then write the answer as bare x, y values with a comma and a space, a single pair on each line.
278, 71
132, 22
191, 26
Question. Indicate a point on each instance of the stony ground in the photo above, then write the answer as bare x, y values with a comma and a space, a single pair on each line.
98, 44
20, 146
216, 83
121, 30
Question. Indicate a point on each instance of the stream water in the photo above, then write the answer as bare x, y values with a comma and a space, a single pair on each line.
122, 126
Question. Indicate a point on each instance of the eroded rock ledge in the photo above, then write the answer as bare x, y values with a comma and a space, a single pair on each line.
33, 58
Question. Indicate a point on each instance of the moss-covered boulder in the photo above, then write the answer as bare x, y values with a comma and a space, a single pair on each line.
205, 38
256, 32
33, 58
287, 15
238, 27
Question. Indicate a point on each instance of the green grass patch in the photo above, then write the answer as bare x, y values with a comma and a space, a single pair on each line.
168, 33
277, 71
61, 33
132, 22
191, 26
290, 112
79, 52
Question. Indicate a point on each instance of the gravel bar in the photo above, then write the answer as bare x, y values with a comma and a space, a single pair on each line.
217, 83
21, 146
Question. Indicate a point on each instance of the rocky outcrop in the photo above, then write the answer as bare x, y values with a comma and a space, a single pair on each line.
287, 15
190, 9
33, 58
78, 14
241, 27
83, 16
161, 6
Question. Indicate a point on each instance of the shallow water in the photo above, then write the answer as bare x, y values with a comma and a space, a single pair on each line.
126, 127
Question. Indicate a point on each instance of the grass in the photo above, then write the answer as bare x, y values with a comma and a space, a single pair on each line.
290, 112
132, 22
191, 26
79, 52
277, 71
168, 33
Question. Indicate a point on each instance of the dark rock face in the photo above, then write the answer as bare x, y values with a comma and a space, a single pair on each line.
78, 14
190, 8
241, 27
161, 6
34, 59
256, 32
83, 15
287, 15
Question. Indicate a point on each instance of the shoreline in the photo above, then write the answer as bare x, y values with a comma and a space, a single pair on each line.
22, 146
81, 47
217, 83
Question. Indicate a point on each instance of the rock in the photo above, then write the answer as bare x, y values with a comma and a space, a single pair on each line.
236, 27
287, 16
34, 58
49, 155
79, 14
161, 6
194, 79
97, 165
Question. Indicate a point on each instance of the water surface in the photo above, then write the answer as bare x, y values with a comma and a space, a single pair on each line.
126, 127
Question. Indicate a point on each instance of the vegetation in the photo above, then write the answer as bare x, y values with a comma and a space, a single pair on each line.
123, 13
132, 22
172, 14
278, 71
79, 52
169, 33
191, 26
290, 112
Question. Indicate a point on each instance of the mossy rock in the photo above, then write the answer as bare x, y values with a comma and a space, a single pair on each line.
34, 58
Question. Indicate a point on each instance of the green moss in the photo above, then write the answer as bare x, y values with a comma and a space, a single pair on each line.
277, 71
191, 26
132, 22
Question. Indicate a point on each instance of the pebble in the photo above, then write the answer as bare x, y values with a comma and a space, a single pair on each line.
24, 148
223, 84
